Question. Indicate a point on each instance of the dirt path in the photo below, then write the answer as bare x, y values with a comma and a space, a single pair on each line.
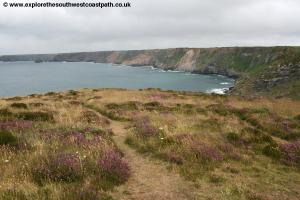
150, 179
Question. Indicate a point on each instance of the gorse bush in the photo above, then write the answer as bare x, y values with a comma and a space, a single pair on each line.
7, 138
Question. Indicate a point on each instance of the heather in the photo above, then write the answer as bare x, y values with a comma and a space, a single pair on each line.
57, 151
126, 144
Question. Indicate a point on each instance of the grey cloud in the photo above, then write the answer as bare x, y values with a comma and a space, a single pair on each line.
150, 24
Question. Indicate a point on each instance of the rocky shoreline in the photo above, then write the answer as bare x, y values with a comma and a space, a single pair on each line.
257, 70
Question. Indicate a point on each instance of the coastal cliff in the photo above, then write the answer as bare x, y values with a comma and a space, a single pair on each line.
271, 71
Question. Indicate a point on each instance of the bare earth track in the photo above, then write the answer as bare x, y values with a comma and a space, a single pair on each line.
150, 179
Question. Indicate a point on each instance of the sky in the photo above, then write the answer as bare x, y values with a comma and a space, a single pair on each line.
149, 24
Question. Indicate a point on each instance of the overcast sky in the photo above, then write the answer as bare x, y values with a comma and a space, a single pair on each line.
149, 24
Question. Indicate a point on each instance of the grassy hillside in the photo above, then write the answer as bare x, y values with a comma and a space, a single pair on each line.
148, 144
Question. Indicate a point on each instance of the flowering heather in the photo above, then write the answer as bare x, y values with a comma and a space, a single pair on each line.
78, 138
145, 128
113, 167
291, 153
64, 167
160, 96
229, 151
184, 138
174, 157
205, 152
85, 138
16, 125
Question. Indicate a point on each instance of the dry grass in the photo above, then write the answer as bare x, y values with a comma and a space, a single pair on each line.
187, 133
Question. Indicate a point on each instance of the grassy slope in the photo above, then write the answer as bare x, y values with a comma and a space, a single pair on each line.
250, 63
262, 71
232, 147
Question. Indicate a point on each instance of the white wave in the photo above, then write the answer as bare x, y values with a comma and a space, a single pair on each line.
225, 83
174, 71
161, 70
190, 74
218, 90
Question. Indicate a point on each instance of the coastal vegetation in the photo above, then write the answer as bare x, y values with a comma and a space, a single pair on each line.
259, 71
145, 144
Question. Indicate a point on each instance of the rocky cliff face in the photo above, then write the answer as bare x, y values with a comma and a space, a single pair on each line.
258, 69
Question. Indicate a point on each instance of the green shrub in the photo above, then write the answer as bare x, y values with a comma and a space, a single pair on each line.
257, 136
72, 92
19, 105
260, 110
297, 117
272, 150
7, 138
242, 113
124, 106
129, 141
220, 109
253, 122
153, 106
4, 113
233, 137
50, 93
35, 116
37, 104
292, 136
14, 99
109, 115
216, 179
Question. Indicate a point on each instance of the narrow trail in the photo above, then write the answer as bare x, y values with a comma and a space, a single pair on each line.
150, 179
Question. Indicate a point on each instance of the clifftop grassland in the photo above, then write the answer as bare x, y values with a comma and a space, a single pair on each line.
148, 144
267, 71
